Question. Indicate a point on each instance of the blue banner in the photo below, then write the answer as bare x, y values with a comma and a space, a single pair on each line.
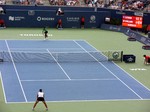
42, 18
128, 32
138, 37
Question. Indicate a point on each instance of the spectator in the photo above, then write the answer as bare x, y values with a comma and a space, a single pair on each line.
26, 2
146, 59
59, 24
2, 10
59, 12
147, 9
2, 2
100, 3
52, 2
129, 4
2, 23
39, 2
147, 29
73, 3
82, 22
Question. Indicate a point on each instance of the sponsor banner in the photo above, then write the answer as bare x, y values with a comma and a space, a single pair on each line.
31, 12
42, 18
39, 18
73, 19
111, 27
92, 19
138, 13
128, 32
138, 37
16, 18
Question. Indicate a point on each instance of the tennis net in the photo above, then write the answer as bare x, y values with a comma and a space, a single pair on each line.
50, 57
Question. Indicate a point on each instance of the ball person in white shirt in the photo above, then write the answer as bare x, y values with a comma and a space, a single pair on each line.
40, 97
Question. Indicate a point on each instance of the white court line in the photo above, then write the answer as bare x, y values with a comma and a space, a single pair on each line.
59, 65
111, 72
44, 40
16, 71
38, 49
3, 87
78, 101
124, 71
50, 80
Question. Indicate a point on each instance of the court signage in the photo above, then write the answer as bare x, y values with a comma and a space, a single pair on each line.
45, 18
114, 28
73, 19
138, 13
16, 18
39, 17
128, 32
138, 69
93, 19
33, 35
138, 37
115, 55
31, 12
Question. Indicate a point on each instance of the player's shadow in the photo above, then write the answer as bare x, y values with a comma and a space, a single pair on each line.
40, 110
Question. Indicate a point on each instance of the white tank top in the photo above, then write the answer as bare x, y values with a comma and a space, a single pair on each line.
40, 94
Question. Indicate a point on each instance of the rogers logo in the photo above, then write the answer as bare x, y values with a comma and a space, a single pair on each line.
45, 18
39, 18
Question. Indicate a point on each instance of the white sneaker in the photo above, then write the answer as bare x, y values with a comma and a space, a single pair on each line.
46, 109
32, 109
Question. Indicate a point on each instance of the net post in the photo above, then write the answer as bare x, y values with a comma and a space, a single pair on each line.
1, 56
121, 56
1, 60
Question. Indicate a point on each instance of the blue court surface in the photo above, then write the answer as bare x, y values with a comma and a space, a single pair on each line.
24, 74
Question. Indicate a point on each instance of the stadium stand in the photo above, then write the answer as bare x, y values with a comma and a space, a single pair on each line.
130, 4
147, 9
2, 2
107, 8
140, 5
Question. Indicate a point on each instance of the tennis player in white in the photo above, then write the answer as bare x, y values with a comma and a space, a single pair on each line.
40, 97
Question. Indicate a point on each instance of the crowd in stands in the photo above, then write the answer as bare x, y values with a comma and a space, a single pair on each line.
65, 2
119, 4
2, 2
130, 4
147, 9
113, 4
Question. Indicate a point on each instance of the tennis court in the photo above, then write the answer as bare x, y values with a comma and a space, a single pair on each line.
78, 75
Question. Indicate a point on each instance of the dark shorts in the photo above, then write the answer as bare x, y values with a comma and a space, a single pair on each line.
148, 60
46, 32
82, 23
41, 99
